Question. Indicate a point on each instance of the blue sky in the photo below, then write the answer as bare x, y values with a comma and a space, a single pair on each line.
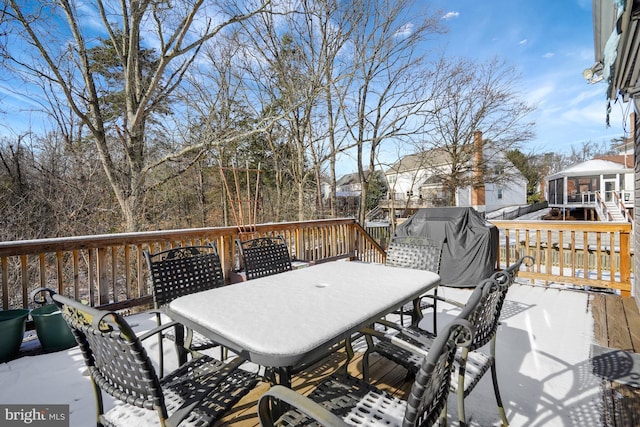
550, 42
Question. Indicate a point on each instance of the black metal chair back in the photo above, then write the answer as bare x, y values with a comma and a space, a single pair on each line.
117, 360
428, 397
182, 271
419, 253
264, 256
197, 393
414, 252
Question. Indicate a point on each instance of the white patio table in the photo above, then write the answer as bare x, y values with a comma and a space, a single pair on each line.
289, 319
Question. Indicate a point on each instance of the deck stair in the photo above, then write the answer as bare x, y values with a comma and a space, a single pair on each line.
614, 209
375, 214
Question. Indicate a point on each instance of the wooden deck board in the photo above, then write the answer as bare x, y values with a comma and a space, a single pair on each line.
384, 373
617, 325
633, 320
598, 309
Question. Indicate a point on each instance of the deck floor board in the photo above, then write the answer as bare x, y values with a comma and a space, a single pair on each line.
617, 325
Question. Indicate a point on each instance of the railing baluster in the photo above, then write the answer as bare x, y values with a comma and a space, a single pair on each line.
5, 283
560, 251
549, 264
24, 270
76, 278
573, 253
599, 255
126, 263
585, 254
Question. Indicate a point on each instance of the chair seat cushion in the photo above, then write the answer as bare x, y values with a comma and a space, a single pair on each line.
204, 388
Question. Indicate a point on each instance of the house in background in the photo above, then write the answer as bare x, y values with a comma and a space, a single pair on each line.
596, 190
349, 190
414, 182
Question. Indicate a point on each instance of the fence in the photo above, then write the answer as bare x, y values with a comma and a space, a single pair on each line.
110, 269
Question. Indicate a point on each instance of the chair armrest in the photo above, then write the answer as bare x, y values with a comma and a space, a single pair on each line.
422, 337
160, 328
279, 393
397, 341
443, 299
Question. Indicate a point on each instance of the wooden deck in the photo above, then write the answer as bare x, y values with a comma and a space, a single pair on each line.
385, 374
616, 324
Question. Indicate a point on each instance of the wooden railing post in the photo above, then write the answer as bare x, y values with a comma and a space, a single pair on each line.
625, 261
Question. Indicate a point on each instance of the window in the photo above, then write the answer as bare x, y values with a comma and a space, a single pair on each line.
499, 193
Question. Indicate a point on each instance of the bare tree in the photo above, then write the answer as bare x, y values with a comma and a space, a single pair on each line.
61, 34
388, 95
471, 96
335, 25
288, 71
589, 150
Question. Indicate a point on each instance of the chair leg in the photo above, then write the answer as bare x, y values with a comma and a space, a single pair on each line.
461, 373
435, 312
443, 416
494, 378
365, 358
160, 348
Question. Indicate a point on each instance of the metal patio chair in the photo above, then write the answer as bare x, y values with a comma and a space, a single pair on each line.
483, 311
196, 394
264, 256
182, 271
419, 253
342, 400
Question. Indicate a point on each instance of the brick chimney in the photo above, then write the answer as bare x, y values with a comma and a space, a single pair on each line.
478, 191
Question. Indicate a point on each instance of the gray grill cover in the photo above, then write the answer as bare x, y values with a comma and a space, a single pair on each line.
470, 243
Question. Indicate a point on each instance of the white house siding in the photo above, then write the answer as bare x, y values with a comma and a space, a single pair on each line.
464, 197
405, 182
514, 193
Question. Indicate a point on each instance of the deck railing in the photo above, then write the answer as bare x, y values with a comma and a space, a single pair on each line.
596, 254
110, 269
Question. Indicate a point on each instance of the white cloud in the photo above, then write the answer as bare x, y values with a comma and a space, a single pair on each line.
450, 15
405, 30
548, 55
523, 42
538, 95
